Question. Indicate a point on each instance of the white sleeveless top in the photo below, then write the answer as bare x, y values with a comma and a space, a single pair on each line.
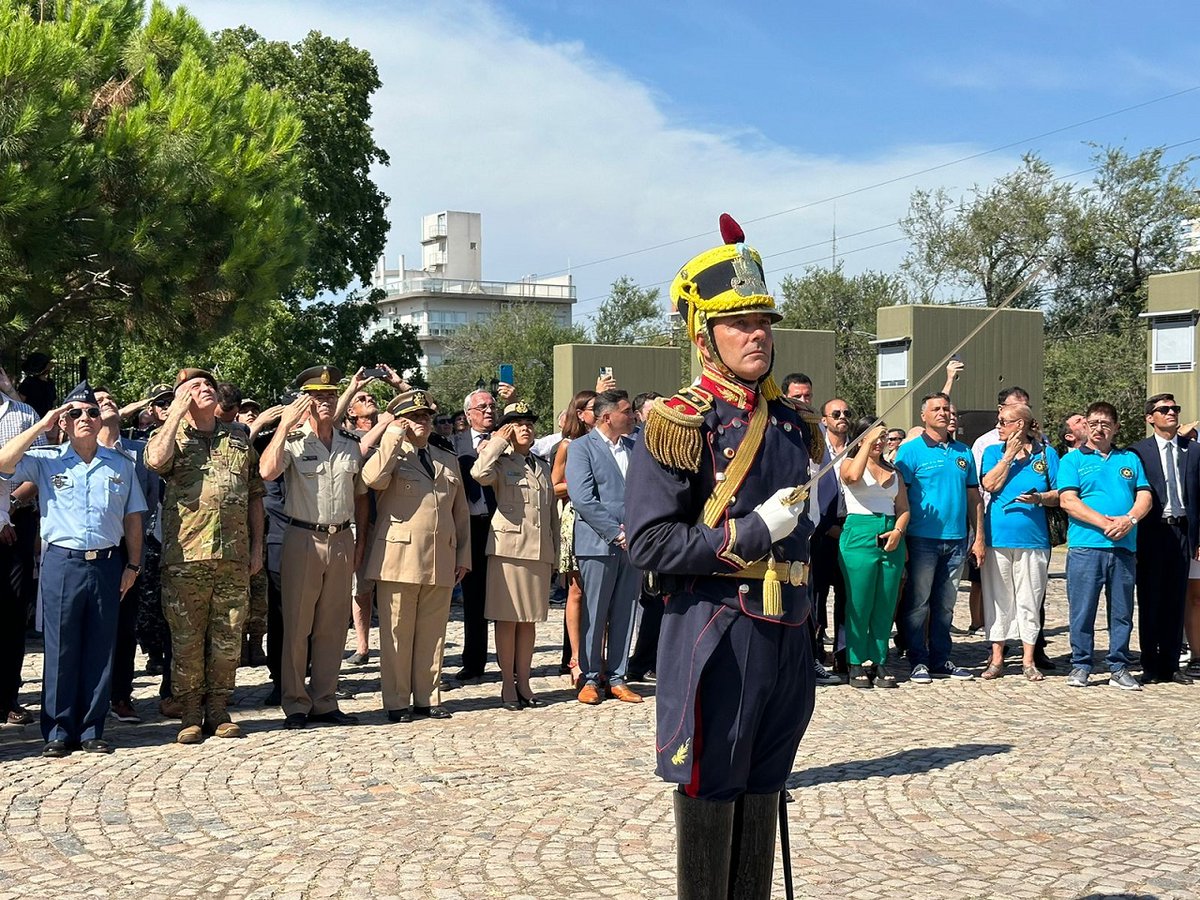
867, 497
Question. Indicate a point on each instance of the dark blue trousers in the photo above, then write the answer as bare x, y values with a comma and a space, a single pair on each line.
81, 602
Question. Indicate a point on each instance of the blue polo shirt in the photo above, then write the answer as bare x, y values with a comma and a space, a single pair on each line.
937, 476
1109, 485
1019, 525
83, 504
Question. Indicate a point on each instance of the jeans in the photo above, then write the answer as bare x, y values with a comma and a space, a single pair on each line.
1088, 570
934, 570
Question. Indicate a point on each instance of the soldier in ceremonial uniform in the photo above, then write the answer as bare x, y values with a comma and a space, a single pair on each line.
321, 465
421, 549
718, 521
212, 543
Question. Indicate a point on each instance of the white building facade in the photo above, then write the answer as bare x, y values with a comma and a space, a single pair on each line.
448, 291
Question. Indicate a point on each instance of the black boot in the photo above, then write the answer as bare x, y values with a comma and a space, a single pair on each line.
703, 830
753, 857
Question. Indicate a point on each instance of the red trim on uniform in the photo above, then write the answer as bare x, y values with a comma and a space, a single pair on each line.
671, 740
692, 788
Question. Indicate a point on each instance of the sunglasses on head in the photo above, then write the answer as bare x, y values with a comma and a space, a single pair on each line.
1167, 410
92, 412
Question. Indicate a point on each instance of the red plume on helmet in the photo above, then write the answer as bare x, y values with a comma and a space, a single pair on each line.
731, 231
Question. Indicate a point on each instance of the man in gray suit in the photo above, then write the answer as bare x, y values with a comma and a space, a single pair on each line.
596, 469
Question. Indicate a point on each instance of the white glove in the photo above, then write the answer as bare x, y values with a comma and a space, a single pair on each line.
779, 517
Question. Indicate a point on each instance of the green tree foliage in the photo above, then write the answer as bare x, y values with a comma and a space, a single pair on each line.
142, 184
828, 299
1107, 365
523, 334
631, 315
263, 356
988, 243
329, 82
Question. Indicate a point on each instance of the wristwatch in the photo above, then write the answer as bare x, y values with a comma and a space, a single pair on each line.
136, 570
1132, 518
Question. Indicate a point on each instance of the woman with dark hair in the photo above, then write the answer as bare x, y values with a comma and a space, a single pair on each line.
1019, 473
871, 555
580, 421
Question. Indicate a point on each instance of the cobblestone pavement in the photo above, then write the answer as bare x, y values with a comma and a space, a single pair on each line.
979, 789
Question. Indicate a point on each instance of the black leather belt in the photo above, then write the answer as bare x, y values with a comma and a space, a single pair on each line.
323, 529
1175, 520
106, 553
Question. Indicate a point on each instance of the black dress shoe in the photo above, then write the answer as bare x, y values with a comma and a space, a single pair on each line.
531, 701
56, 750
96, 745
295, 720
431, 712
1179, 678
467, 675
400, 715
333, 717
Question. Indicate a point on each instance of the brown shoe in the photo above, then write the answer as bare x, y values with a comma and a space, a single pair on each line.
170, 708
189, 734
590, 694
228, 730
623, 693
19, 715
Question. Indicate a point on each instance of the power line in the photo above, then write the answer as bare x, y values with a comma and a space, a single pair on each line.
888, 181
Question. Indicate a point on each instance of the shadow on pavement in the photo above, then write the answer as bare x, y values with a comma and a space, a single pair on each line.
905, 762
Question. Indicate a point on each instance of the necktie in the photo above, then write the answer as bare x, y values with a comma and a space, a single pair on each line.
1172, 489
529, 462
423, 455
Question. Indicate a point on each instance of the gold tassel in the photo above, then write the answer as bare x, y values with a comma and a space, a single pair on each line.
772, 592
673, 437
770, 389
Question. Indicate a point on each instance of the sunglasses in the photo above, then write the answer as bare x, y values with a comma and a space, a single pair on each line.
1168, 410
92, 412
839, 414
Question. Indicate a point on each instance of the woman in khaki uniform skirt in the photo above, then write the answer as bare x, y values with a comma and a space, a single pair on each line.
522, 546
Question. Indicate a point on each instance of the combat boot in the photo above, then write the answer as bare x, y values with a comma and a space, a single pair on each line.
703, 830
192, 718
753, 857
216, 718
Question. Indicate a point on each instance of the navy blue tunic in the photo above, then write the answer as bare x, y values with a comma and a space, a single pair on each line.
735, 686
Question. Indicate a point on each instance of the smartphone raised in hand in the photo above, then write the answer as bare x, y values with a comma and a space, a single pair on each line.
381, 374
505, 375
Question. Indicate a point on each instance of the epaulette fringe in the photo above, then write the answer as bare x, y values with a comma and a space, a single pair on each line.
673, 436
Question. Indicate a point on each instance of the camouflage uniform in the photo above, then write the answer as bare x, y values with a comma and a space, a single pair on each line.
256, 621
210, 481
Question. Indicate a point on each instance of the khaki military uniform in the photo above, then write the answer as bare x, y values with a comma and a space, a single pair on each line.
523, 544
210, 481
317, 564
422, 534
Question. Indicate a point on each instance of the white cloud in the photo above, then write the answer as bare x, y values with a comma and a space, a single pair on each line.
570, 160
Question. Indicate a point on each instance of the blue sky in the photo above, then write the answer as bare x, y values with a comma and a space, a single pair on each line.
586, 130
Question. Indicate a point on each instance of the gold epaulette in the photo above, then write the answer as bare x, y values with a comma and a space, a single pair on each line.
672, 432
816, 437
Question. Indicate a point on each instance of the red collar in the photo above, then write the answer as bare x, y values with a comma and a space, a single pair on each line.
732, 391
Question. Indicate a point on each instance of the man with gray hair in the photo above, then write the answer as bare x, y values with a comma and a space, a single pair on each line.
480, 408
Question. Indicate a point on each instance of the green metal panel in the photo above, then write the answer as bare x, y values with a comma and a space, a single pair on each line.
1008, 351
1175, 291
636, 369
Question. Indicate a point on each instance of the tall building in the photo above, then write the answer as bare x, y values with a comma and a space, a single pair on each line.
448, 291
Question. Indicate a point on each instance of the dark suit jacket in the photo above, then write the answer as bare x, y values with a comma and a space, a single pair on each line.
1191, 488
1147, 451
464, 449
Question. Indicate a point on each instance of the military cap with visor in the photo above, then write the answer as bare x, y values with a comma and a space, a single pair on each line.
519, 411
318, 378
411, 402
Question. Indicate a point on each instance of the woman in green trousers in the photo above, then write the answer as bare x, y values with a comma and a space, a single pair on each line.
872, 555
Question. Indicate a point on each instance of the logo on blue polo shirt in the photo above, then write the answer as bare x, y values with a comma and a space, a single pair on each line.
1039, 466
1127, 473
59, 481
962, 463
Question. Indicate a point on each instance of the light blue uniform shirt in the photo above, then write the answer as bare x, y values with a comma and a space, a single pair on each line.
937, 476
83, 505
1109, 485
1011, 524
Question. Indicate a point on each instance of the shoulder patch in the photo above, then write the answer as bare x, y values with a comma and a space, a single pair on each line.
672, 433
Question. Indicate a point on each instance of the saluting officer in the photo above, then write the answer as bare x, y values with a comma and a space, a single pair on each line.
716, 518
90, 499
320, 464
422, 548
212, 544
